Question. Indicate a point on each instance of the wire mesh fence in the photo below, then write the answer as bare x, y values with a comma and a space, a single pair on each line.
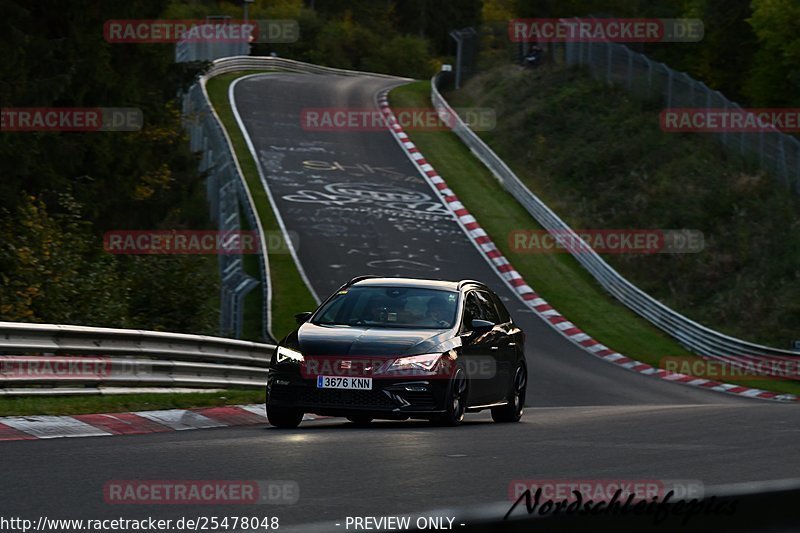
772, 150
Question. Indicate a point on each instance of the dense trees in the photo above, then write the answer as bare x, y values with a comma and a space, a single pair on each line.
775, 75
750, 51
60, 192
400, 37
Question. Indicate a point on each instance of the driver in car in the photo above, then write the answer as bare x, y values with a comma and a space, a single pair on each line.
438, 312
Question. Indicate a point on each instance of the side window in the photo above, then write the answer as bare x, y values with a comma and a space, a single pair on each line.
472, 310
488, 311
501, 309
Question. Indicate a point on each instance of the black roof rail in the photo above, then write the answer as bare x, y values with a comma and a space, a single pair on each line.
357, 279
464, 282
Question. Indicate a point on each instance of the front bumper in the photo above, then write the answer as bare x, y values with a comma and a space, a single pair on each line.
408, 397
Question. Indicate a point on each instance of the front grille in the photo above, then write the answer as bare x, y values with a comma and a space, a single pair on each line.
348, 398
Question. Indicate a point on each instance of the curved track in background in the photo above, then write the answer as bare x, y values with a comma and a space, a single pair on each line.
358, 206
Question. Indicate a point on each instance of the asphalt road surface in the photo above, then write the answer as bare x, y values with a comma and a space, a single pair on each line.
357, 206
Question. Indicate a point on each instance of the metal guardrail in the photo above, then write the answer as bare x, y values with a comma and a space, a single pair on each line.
695, 337
59, 358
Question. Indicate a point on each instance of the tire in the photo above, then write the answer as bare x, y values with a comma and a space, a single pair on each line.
456, 400
284, 417
360, 420
512, 411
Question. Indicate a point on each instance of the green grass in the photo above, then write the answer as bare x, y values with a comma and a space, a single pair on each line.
558, 278
72, 405
289, 294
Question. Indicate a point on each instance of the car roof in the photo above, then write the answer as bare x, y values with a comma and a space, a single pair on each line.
412, 282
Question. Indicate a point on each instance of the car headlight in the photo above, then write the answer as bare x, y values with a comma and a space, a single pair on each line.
425, 363
286, 354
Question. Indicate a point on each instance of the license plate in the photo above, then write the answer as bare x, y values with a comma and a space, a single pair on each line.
339, 382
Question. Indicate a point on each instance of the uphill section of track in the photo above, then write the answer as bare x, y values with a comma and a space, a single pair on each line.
356, 204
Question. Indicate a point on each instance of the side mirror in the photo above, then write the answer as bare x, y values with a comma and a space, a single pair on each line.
479, 327
302, 318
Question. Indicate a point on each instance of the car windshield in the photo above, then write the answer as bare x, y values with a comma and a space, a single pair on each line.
390, 307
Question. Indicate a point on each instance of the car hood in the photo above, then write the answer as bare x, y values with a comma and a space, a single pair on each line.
312, 340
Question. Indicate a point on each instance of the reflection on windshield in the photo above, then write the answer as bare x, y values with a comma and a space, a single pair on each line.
391, 307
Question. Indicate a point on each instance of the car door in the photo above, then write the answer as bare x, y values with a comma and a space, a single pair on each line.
476, 352
498, 344
510, 344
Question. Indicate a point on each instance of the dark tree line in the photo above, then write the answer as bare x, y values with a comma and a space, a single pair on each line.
750, 51
60, 192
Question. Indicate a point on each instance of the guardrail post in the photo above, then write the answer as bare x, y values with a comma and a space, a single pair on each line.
630, 68
456, 35
669, 84
796, 145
